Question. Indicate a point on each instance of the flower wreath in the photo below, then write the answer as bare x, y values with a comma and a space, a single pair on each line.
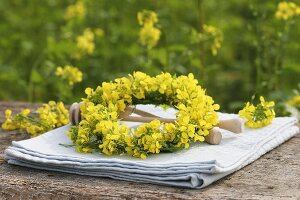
100, 129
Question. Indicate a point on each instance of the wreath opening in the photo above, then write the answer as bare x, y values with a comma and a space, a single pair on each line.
100, 129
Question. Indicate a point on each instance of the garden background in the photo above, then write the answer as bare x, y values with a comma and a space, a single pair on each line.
236, 48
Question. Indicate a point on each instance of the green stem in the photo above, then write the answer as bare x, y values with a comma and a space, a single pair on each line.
258, 56
200, 11
148, 58
257, 78
30, 90
280, 54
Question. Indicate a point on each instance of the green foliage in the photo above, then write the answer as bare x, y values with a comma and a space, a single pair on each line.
259, 53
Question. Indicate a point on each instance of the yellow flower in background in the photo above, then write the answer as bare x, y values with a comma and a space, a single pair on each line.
260, 115
76, 10
85, 42
147, 17
216, 35
149, 35
287, 10
69, 73
99, 32
295, 102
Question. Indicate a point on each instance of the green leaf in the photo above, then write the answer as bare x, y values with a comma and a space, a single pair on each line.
66, 145
293, 66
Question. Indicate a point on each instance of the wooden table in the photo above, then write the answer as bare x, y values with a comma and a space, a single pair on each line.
276, 175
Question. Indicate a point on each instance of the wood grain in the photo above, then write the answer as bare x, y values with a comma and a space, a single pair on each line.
276, 175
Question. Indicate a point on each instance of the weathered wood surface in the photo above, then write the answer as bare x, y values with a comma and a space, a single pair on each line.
275, 175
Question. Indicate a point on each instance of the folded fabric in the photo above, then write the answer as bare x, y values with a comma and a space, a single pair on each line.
195, 167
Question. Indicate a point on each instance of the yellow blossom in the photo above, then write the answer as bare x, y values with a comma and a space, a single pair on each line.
147, 17
141, 83
216, 36
9, 124
85, 42
99, 32
76, 10
287, 10
149, 35
295, 102
69, 73
164, 83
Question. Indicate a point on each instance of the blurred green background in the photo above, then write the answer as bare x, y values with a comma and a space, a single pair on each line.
259, 53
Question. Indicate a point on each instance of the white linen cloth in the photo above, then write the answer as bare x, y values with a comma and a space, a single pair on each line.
196, 167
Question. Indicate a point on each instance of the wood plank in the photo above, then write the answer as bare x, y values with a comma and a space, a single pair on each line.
276, 175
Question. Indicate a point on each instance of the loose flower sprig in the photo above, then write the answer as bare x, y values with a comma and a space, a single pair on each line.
101, 131
260, 115
47, 117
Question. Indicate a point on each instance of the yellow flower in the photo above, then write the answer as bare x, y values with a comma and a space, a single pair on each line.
169, 133
53, 114
260, 115
143, 156
149, 36
287, 10
9, 123
35, 130
147, 17
76, 10
62, 114
85, 42
69, 73
88, 91
164, 83
295, 102
114, 139
141, 83
99, 32
216, 35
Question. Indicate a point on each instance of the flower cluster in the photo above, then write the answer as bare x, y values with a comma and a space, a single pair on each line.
147, 17
76, 10
101, 131
149, 35
216, 35
47, 117
69, 73
260, 115
287, 10
85, 43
